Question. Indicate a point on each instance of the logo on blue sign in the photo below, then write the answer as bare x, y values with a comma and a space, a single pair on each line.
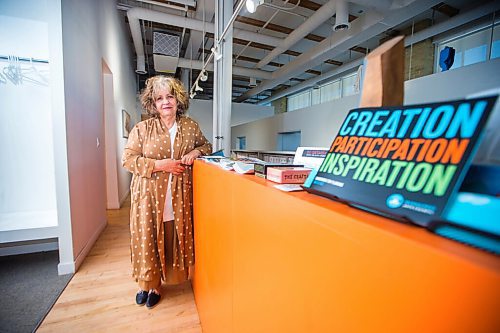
395, 201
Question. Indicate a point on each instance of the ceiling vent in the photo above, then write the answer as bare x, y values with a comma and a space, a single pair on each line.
165, 52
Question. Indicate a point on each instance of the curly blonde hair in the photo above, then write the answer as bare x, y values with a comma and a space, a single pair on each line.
172, 85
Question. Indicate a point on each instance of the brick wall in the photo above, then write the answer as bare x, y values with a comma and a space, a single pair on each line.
421, 53
279, 105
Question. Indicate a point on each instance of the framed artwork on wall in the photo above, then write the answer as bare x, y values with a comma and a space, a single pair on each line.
126, 123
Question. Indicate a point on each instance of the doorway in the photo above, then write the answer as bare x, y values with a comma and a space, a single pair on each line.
110, 146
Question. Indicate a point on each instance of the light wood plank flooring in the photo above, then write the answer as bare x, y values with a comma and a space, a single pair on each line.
101, 295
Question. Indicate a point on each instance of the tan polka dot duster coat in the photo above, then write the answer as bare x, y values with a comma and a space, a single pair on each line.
150, 140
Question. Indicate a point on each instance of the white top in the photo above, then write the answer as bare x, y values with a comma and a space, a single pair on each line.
168, 211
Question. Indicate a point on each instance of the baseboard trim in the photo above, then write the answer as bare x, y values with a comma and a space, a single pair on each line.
113, 204
72, 266
66, 268
83, 254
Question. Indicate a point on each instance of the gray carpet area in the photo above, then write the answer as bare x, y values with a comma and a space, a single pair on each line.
29, 286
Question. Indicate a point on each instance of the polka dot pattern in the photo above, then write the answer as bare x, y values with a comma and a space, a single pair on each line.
149, 140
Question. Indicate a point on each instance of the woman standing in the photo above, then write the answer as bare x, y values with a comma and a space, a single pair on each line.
159, 153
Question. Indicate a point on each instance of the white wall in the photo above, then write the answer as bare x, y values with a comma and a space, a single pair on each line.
319, 124
202, 112
116, 54
92, 35
64, 228
84, 121
54, 167
27, 178
453, 84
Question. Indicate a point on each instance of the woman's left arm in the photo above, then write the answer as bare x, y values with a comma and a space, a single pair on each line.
201, 147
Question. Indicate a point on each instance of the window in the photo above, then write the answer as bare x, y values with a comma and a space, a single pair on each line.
288, 141
242, 142
349, 85
495, 49
338, 88
331, 91
470, 48
299, 101
475, 55
316, 95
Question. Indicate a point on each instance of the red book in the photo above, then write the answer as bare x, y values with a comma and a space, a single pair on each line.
288, 175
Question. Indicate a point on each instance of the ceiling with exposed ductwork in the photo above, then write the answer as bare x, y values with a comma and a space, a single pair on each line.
286, 45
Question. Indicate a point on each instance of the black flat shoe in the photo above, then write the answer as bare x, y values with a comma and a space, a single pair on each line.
153, 299
141, 297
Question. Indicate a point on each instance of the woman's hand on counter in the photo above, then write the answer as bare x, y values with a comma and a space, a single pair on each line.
169, 165
189, 158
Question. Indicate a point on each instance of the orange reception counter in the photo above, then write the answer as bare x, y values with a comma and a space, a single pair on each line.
271, 261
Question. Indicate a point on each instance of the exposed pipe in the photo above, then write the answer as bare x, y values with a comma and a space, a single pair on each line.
135, 30
243, 71
325, 12
363, 28
261, 29
287, 11
166, 5
454, 22
229, 25
191, 3
383, 5
197, 40
321, 15
136, 13
419, 36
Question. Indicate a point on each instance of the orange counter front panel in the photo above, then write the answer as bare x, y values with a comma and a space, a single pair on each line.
270, 261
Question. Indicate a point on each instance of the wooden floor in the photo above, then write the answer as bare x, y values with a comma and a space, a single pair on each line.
101, 295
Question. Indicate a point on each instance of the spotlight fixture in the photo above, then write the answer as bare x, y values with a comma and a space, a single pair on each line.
215, 51
203, 75
253, 4
197, 87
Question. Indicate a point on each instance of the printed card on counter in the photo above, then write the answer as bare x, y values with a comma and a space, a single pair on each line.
289, 187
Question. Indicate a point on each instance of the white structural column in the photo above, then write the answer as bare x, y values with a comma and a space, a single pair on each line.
223, 78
